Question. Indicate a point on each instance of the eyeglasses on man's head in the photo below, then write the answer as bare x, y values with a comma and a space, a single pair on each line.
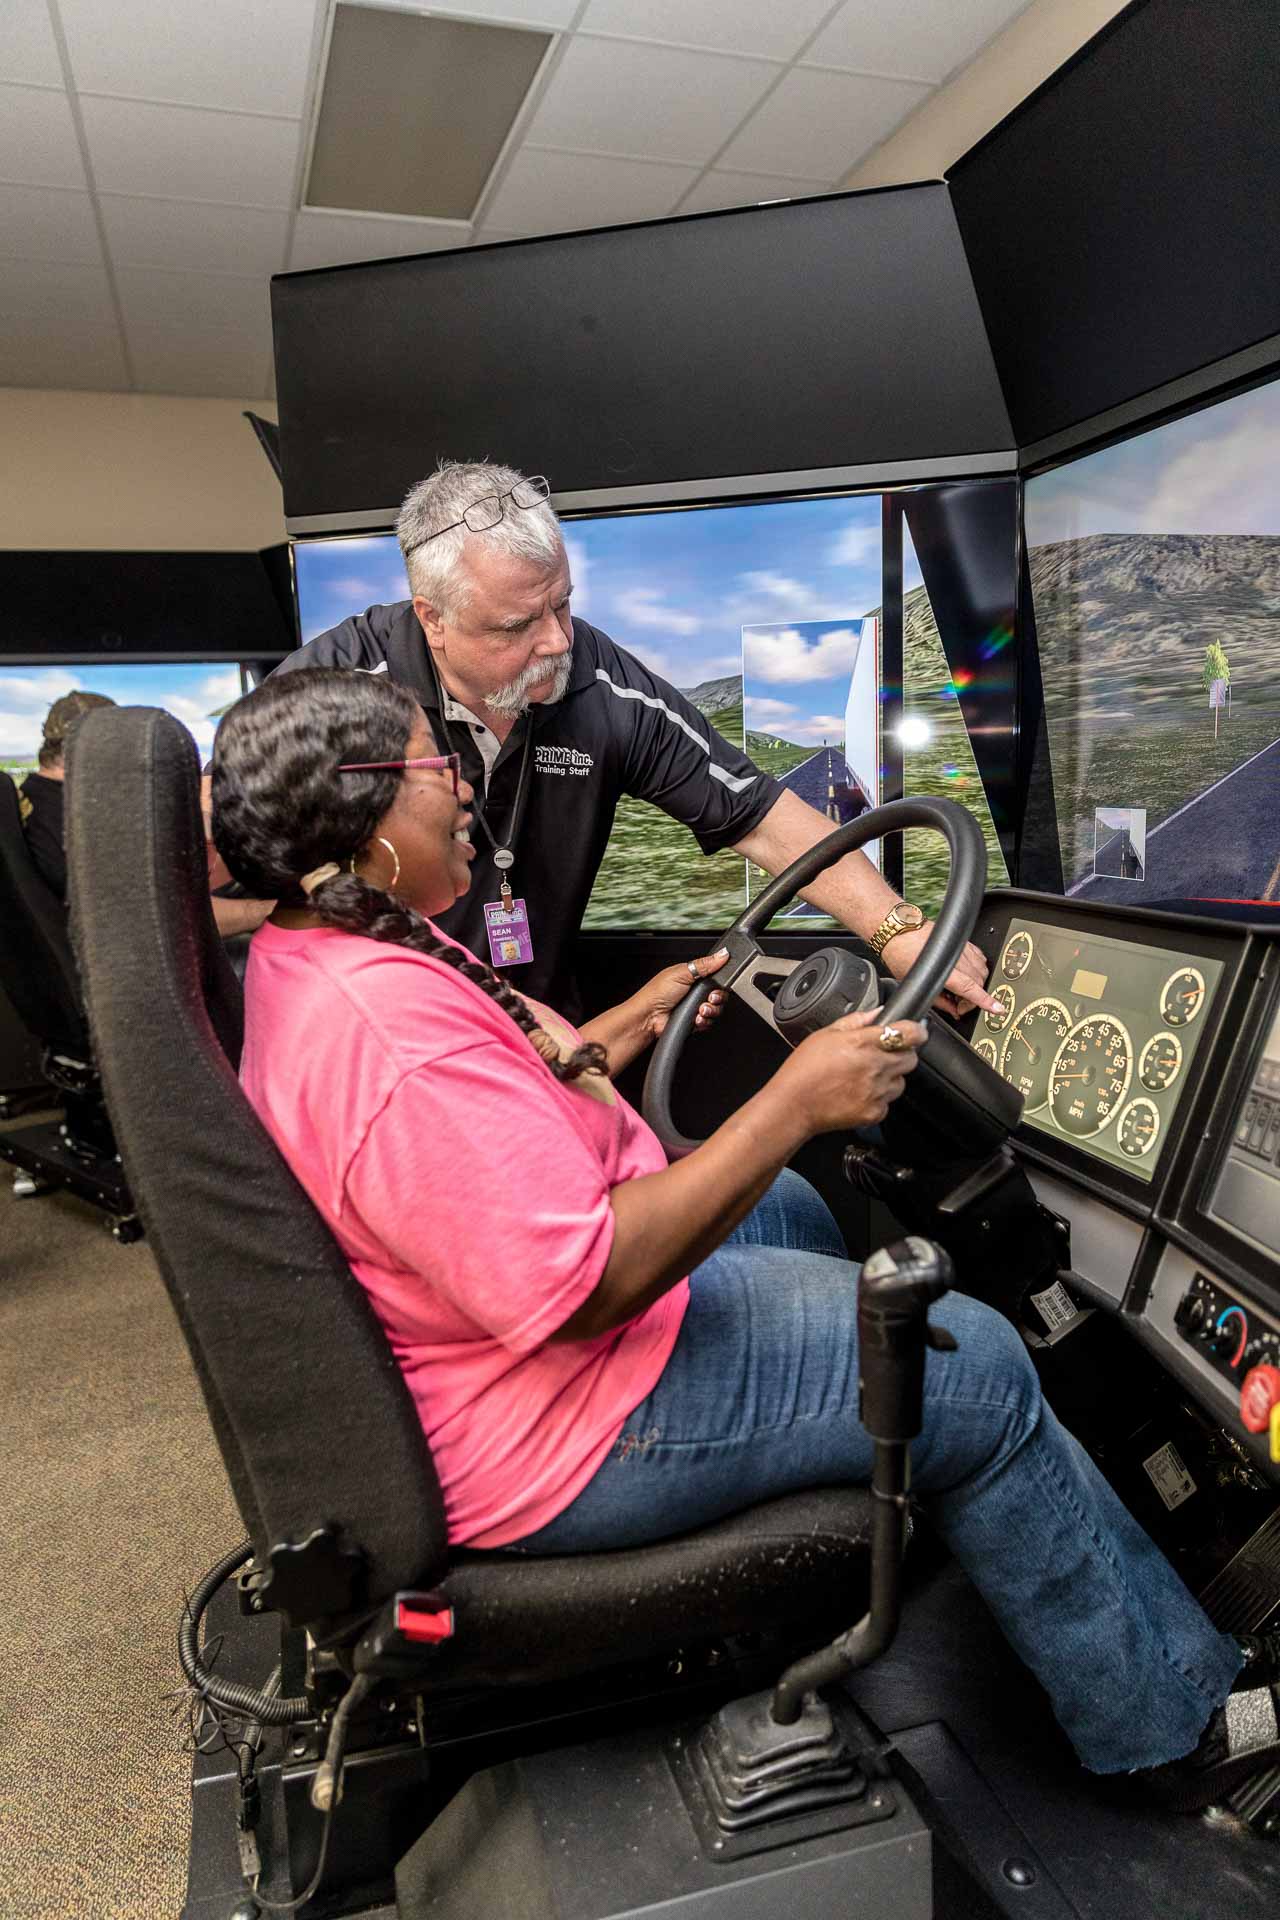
488, 509
450, 763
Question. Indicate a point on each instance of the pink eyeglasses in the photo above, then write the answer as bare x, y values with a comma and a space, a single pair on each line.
450, 763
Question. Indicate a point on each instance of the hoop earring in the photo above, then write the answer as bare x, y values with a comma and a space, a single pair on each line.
382, 842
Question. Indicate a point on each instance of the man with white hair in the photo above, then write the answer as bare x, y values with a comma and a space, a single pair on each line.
554, 723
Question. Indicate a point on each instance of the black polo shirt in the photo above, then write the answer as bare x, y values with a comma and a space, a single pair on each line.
40, 803
618, 730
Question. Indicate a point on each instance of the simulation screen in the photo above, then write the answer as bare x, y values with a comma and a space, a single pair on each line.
1247, 1193
1098, 1035
1155, 576
195, 692
767, 617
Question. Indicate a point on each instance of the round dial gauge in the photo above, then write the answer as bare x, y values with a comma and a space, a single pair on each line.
1003, 996
1160, 1062
986, 1050
1138, 1127
1016, 957
1030, 1047
1183, 996
1090, 1075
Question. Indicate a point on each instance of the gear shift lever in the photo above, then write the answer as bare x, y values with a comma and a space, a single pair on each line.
895, 1290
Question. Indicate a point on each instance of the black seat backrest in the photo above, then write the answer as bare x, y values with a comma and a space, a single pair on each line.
37, 968
312, 1415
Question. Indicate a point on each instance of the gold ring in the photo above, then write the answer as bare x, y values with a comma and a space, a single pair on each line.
893, 1040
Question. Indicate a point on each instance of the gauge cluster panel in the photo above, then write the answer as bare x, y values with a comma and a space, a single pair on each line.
1098, 1035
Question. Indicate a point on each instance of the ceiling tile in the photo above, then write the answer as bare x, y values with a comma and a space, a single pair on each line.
735, 26
48, 223
552, 192
187, 233
334, 239
28, 50
610, 96
38, 146
925, 41
58, 328
196, 332
820, 123
133, 147
514, 13
717, 190
239, 54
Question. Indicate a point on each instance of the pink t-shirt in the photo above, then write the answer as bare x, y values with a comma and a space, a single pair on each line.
469, 1189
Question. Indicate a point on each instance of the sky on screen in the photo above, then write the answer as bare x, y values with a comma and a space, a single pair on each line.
192, 692
1211, 472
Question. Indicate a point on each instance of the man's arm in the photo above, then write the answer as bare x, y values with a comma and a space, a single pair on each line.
238, 916
854, 892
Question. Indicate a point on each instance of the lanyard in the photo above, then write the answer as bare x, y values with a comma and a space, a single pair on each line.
504, 848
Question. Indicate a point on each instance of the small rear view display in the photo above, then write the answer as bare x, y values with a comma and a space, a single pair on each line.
1097, 1035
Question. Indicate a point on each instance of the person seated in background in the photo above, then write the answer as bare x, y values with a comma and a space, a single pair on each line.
40, 795
604, 1349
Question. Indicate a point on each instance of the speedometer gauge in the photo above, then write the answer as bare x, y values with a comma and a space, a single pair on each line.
1138, 1127
1090, 1075
1183, 996
1033, 1041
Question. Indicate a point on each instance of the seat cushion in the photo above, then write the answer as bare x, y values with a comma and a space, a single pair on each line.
522, 1620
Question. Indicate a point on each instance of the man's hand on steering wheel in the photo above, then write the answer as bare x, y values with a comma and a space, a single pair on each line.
965, 987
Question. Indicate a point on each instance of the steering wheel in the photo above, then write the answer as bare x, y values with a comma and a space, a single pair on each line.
833, 981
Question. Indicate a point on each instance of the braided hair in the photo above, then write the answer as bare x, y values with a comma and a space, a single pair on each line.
281, 809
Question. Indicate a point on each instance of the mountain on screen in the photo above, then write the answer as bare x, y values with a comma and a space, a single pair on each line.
715, 696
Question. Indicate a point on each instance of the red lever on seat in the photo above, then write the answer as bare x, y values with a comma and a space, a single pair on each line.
1259, 1392
426, 1628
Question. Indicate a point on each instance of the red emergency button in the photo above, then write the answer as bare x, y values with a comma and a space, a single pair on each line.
1259, 1393
429, 1629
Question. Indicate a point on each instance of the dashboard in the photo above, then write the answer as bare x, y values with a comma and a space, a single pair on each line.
1099, 1034
1146, 1046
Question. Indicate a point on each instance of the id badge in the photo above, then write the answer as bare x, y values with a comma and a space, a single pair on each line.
510, 944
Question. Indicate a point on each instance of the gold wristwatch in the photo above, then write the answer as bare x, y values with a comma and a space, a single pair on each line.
904, 918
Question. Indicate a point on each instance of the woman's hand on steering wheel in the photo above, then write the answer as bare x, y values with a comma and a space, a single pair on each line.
667, 989
966, 986
844, 1075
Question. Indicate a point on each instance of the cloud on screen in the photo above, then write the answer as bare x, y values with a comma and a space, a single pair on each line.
777, 654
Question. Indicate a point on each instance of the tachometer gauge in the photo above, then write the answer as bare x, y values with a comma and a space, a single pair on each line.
1138, 1127
1090, 1075
1003, 996
1160, 1062
986, 1050
1183, 996
1016, 957
1029, 1049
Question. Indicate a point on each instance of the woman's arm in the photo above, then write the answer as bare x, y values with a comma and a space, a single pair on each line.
665, 1223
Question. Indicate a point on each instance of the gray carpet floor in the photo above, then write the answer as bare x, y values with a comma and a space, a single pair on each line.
113, 1501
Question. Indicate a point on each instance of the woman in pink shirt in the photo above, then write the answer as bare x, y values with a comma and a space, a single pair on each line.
605, 1349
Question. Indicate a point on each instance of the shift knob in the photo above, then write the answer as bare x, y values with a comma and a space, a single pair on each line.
897, 1286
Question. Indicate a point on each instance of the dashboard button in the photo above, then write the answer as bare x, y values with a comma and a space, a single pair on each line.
1262, 1115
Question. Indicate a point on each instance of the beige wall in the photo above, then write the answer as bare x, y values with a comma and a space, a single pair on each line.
141, 471
1014, 64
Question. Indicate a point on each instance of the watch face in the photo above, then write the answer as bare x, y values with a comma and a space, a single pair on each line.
909, 918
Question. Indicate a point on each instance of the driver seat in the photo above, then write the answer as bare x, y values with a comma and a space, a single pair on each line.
321, 1441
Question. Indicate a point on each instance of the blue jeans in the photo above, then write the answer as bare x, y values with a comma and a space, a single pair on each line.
760, 1398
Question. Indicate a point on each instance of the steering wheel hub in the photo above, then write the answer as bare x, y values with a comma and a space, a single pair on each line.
823, 988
